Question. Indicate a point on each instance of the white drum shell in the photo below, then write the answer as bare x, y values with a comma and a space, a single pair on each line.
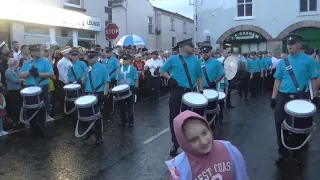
120, 88
222, 96
300, 108
31, 91
86, 101
211, 94
72, 87
195, 100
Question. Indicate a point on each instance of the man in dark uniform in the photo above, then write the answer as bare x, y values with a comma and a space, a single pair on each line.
179, 81
284, 89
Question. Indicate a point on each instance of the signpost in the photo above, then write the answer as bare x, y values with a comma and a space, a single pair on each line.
112, 31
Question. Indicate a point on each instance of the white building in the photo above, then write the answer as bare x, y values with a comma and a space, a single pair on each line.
252, 25
68, 22
160, 28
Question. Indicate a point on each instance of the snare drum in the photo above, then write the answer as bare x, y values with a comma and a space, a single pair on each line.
87, 108
72, 92
212, 97
121, 92
222, 96
32, 97
299, 121
195, 102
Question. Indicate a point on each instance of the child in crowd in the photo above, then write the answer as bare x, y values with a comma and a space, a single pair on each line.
203, 157
2, 114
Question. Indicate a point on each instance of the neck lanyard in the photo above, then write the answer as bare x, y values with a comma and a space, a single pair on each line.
125, 72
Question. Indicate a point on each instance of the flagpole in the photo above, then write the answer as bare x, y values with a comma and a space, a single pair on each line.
195, 21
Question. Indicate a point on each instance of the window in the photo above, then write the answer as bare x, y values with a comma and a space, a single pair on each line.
108, 10
244, 8
107, 22
86, 34
172, 24
308, 5
173, 41
150, 25
73, 3
36, 30
110, 17
64, 32
184, 28
109, 3
110, 44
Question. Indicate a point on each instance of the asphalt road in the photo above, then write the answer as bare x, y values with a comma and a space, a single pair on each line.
139, 153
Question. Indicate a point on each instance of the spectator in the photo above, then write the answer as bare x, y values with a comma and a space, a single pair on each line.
2, 114
15, 49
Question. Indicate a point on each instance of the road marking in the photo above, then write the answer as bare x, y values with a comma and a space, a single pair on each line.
165, 96
156, 136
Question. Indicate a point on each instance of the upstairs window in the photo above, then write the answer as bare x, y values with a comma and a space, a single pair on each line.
172, 24
308, 5
184, 28
73, 3
150, 25
244, 8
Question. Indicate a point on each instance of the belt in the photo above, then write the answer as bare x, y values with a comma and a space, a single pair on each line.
292, 95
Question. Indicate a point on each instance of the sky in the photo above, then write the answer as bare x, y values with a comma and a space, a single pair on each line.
178, 6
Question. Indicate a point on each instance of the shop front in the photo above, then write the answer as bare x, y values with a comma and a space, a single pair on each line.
37, 24
245, 41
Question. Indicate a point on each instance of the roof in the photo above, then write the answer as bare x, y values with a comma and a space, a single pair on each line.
172, 13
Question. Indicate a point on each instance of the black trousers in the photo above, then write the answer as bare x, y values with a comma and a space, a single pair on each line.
244, 85
126, 107
154, 88
174, 108
97, 130
38, 122
108, 102
280, 115
14, 103
228, 98
256, 84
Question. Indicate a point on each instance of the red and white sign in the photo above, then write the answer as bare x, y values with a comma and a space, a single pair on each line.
112, 31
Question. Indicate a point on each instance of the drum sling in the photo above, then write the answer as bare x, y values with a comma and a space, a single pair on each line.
205, 74
187, 72
94, 90
74, 74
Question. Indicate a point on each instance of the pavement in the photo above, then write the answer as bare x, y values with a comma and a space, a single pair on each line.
139, 153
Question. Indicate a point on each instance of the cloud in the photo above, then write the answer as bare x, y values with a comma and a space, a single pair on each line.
180, 6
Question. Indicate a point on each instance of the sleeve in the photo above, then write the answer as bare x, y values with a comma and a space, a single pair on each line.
220, 69
198, 69
12, 78
106, 75
167, 65
135, 74
25, 67
313, 72
278, 74
117, 64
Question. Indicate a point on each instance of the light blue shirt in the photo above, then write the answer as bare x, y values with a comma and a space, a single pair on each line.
267, 63
214, 70
177, 71
112, 64
224, 84
304, 69
79, 68
43, 66
128, 75
254, 65
99, 75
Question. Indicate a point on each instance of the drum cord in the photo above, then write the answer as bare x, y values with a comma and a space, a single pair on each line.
22, 114
65, 108
89, 128
298, 131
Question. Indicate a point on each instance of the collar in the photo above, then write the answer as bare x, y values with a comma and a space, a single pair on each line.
75, 61
295, 56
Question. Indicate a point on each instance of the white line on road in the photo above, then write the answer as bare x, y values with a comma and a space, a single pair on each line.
156, 136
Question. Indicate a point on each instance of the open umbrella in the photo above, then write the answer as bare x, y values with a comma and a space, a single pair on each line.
132, 40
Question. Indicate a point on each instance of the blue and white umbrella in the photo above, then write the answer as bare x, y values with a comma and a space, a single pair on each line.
132, 40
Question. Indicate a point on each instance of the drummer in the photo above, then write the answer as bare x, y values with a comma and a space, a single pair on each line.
128, 75
255, 73
77, 70
37, 73
179, 82
284, 89
100, 81
113, 66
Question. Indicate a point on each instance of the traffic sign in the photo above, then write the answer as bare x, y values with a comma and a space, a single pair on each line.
112, 31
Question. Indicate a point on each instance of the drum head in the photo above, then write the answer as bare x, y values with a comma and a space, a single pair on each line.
210, 94
222, 95
85, 100
72, 86
121, 88
31, 90
194, 99
230, 67
300, 108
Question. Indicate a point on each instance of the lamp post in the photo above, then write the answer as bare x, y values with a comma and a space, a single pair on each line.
195, 19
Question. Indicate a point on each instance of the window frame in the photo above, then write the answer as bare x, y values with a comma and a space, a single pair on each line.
73, 5
308, 6
172, 21
244, 3
173, 41
184, 27
150, 25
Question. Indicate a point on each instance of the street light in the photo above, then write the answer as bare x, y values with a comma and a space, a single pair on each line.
195, 19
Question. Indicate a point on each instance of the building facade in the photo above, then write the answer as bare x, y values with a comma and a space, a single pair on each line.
257, 25
67, 22
160, 28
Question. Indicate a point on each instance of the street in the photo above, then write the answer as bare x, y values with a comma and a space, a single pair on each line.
139, 153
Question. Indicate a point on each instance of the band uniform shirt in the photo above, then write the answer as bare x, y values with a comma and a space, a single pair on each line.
214, 69
79, 68
112, 63
128, 75
43, 66
224, 84
254, 65
304, 69
99, 75
267, 63
153, 64
63, 67
175, 67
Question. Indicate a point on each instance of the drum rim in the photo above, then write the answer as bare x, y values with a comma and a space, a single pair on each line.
211, 99
194, 105
31, 94
303, 115
73, 88
123, 90
225, 95
86, 105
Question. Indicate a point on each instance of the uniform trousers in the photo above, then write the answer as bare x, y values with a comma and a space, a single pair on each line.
38, 122
14, 103
244, 85
174, 108
154, 88
97, 130
126, 107
255, 84
280, 115
60, 94
108, 102
228, 98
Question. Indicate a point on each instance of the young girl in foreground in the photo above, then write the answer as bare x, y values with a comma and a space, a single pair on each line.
203, 157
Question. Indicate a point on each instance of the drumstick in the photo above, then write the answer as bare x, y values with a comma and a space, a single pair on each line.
310, 90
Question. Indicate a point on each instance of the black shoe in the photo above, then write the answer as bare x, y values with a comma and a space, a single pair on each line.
98, 141
130, 125
86, 137
174, 150
280, 160
230, 106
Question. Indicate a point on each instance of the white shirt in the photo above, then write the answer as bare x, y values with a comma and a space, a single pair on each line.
153, 65
63, 66
221, 59
274, 62
16, 54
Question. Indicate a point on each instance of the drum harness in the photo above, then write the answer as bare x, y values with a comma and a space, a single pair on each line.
24, 106
97, 116
284, 124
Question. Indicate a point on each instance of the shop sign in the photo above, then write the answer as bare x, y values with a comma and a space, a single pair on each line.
48, 15
244, 35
